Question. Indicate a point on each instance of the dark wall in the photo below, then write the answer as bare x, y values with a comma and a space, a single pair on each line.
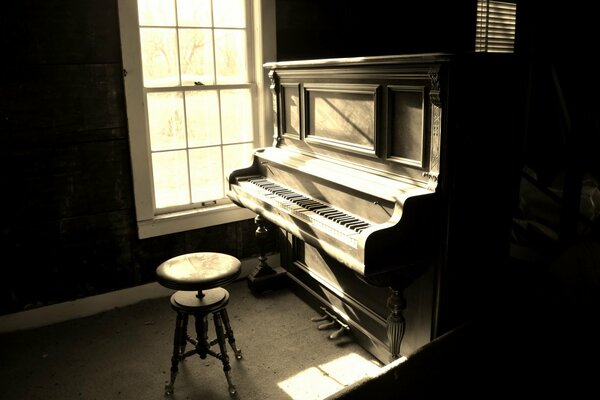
308, 29
68, 220
559, 40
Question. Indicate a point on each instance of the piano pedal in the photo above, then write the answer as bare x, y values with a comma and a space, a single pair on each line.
339, 332
334, 321
321, 318
326, 325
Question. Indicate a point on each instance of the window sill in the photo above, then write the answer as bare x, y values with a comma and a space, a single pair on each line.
189, 220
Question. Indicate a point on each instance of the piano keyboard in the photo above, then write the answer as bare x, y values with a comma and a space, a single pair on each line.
334, 222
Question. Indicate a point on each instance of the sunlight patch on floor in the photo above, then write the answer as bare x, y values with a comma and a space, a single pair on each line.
317, 383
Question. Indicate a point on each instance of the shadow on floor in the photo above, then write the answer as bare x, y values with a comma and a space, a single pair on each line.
125, 354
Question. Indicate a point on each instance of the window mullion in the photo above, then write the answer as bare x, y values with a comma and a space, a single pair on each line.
217, 86
187, 147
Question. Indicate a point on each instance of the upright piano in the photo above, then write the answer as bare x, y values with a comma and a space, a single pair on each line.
391, 180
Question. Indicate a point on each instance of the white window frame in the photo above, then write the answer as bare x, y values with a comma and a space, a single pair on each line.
150, 223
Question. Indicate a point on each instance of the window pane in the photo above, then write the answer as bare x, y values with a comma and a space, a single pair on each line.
156, 12
196, 56
230, 13
230, 54
206, 174
237, 156
171, 184
159, 57
236, 111
165, 121
202, 109
193, 13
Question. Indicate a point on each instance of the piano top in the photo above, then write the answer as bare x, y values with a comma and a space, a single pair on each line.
372, 60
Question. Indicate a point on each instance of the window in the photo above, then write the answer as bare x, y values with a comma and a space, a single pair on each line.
496, 22
197, 104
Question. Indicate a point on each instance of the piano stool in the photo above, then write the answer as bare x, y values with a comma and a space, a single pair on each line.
198, 278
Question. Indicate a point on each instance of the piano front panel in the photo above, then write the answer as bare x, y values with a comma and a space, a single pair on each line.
376, 117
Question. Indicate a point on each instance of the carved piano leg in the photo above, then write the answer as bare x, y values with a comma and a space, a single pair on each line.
263, 277
395, 321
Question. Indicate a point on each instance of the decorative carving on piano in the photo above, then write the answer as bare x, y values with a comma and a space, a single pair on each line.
396, 323
434, 91
434, 160
274, 79
436, 129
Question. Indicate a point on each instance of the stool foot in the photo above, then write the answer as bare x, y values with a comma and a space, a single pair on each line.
237, 352
231, 387
229, 335
168, 389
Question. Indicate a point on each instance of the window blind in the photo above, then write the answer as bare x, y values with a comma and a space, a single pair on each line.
495, 28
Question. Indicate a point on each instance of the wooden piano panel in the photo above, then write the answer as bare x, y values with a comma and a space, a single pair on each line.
291, 110
321, 281
342, 116
408, 141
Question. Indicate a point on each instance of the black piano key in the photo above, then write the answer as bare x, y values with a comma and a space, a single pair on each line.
329, 212
315, 207
354, 224
343, 219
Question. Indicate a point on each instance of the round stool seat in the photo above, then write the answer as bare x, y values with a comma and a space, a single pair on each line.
211, 301
198, 271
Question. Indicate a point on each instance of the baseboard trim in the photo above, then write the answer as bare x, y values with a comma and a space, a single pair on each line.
55, 313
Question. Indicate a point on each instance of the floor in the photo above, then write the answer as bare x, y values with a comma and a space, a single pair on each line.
125, 354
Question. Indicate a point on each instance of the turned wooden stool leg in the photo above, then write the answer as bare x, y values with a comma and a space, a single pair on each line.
183, 335
223, 356
176, 356
202, 345
229, 334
